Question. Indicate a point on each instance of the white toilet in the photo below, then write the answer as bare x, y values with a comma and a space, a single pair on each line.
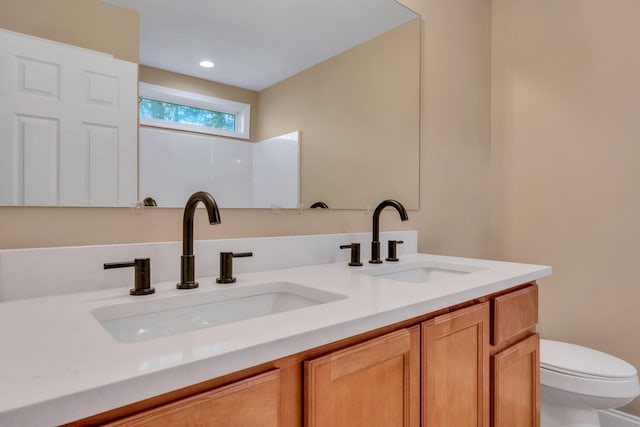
576, 382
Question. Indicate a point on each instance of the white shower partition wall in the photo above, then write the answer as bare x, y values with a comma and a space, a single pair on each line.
239, 174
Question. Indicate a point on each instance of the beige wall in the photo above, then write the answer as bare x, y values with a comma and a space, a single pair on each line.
45, 227
454, 151
205, 87
358, 115
455, 126
91, 24
566, 153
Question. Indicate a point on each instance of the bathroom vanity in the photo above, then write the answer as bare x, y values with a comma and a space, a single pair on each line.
461, 365
429, 340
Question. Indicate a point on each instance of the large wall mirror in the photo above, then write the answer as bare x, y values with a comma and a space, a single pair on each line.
341, 78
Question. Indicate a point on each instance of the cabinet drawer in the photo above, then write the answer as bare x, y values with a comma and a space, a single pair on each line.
252, 402
513, 313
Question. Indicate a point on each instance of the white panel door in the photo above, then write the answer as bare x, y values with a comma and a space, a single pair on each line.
68, 125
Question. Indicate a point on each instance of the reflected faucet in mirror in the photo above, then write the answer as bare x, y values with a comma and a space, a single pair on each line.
375, 242
149, 201
319, 205
187, 261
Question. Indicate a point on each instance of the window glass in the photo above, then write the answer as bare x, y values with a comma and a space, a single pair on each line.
162, 110
175, 109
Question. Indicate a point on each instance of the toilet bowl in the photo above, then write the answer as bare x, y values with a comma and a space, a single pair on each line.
576, 382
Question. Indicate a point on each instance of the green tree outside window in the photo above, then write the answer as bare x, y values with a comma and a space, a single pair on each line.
183, 114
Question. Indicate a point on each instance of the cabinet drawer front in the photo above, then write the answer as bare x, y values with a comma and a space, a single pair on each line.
248, 403
513, 313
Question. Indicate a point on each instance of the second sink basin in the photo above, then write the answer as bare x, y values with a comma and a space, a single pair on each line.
423, 272
141, 321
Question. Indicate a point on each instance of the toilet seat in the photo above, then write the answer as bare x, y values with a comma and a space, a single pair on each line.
581, 361
586, 371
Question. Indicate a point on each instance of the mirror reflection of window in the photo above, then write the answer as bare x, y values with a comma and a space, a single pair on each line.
154, 109
169, 108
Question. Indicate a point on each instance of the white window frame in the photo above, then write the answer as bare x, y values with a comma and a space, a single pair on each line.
241, 110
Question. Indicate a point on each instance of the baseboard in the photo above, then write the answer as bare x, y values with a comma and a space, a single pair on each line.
614, 418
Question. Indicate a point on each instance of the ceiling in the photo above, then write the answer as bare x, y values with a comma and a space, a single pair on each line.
256, 43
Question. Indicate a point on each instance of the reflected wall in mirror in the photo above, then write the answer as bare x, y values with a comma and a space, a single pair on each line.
241, 174
358, 113
356, 106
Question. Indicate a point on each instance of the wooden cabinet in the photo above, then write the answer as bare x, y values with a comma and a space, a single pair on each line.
455, 368
253, 402
515, 363
516, 384
375, 383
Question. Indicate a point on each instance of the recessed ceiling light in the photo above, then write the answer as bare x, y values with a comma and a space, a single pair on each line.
207, 64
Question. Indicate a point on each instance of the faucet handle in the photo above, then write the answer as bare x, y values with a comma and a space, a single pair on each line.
391, 250
226, 265
142, 282
355, 254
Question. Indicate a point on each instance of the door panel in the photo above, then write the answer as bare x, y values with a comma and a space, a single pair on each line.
455, 368
368, 385
516, 377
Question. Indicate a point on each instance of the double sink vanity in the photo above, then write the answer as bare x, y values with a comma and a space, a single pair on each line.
301, 338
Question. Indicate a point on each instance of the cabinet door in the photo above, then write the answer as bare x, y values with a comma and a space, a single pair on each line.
375, 383
455, 368
252, 402
516, 378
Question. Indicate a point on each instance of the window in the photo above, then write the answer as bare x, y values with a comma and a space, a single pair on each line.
175, 109
152, 109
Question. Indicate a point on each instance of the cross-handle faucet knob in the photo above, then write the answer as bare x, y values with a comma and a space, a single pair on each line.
355, 254
226, 265
391, 250
142, 282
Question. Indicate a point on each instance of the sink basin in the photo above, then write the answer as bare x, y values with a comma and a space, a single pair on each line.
145, 320
424, 272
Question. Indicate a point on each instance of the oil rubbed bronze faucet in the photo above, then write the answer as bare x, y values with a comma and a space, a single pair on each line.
375, 243
187, 261
142, 283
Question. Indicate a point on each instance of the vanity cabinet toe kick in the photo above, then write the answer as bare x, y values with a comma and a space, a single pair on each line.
483, 354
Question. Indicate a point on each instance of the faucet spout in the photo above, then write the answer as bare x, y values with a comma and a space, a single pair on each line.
375, 241
187, 261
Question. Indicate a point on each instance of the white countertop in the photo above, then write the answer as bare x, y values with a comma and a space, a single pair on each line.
58, 364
